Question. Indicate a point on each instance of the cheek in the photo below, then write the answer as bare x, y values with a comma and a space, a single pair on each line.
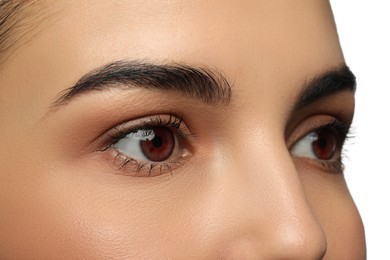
336, 211
53, 205
346, 235
72, 216
86, 211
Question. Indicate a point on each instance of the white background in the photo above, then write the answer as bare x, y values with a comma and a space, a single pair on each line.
364, 31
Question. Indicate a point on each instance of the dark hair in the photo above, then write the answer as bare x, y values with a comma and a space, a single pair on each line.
16, 22
8, 23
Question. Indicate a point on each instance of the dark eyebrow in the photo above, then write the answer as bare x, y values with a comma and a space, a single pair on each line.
327, 84
204, 84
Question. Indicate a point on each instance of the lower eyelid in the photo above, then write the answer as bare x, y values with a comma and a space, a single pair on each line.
125, 165
335, 166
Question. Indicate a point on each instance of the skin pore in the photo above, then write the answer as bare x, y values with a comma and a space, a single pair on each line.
239, 86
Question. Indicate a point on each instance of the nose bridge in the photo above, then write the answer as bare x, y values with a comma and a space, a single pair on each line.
278, 210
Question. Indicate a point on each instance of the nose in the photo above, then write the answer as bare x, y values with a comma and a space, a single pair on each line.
274, 218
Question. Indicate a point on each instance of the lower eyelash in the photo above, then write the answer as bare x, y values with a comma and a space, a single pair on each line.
127, 164
131, 165
335, 166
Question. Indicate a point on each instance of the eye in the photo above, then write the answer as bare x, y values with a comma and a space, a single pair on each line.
149, 146
321, 144
155, 144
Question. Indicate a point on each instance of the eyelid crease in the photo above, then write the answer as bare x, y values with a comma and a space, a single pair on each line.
147, 122
333, 167
314, 123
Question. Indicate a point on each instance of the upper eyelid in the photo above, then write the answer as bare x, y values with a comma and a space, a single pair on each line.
102, 139
314, 123
170, 120
149, 121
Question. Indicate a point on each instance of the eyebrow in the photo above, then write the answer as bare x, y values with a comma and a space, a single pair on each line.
326, 84
204, 84
207, 85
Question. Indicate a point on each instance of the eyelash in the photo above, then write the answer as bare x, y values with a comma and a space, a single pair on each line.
343, 134
156, 168
341, 130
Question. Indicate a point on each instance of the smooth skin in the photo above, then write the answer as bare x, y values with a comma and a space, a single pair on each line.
241, 193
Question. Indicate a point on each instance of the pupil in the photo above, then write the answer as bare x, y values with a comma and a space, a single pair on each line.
322, 143
325, 146
161, 147
157, 141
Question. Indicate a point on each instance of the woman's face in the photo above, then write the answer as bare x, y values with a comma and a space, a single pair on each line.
176, 129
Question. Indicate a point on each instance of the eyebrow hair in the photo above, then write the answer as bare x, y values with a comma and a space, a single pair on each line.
207, 85
326, 84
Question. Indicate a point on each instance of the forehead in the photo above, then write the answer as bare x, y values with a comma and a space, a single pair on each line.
255, 43
206, 31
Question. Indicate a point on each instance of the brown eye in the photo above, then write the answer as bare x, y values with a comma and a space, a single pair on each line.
325, 144
150, 146
321, 144
160, 147
154, 144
